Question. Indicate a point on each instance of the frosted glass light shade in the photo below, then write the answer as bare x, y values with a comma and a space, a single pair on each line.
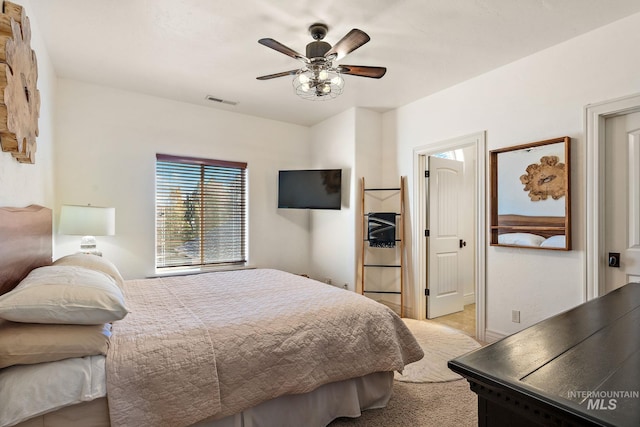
87, 220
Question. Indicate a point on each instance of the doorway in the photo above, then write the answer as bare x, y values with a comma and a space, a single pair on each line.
596, 178
475, 145
622, 200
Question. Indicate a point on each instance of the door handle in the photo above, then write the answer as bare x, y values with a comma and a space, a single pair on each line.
462, 243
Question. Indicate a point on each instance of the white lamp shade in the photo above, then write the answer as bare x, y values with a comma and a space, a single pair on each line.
87, 220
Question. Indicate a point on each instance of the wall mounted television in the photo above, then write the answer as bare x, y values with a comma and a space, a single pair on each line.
310, 189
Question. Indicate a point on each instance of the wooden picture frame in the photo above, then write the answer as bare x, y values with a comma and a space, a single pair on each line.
530, 195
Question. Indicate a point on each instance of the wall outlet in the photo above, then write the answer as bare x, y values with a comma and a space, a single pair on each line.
515, 316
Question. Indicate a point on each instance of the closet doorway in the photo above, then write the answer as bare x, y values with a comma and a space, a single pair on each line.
461, 275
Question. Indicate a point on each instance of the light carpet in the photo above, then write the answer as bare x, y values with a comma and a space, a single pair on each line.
440, 344
448, 404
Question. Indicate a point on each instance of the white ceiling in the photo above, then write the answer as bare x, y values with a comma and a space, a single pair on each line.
187, 49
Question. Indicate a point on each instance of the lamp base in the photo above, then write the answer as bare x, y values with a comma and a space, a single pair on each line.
88, 246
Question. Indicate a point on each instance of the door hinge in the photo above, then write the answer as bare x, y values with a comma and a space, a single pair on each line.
426, 233
426, 174
426, 292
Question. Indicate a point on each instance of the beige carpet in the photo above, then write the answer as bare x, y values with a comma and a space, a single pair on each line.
440, 344
449, 404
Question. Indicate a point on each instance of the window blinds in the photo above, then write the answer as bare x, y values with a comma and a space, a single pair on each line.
200, 212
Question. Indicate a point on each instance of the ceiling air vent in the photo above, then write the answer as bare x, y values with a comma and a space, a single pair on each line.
221, 101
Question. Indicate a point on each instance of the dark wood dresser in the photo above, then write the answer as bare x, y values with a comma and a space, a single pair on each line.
579, 368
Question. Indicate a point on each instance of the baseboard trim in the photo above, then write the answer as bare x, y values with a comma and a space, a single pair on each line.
470, 298
493, 336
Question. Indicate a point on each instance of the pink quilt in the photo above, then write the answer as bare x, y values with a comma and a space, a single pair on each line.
215, 344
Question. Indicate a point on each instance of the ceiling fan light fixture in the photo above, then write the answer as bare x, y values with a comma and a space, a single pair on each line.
319, 79
318, 84
304, 79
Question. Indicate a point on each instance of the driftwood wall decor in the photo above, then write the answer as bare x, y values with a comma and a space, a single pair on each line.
19, 96
545, 179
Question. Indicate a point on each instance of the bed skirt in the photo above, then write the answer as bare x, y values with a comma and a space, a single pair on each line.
317, 408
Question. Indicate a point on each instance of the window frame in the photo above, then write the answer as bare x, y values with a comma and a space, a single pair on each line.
203, 263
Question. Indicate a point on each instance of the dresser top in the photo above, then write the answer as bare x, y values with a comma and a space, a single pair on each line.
585, 361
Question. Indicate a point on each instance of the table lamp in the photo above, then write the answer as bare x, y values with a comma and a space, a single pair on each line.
87, 221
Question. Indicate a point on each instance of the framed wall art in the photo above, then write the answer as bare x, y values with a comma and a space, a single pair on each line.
530, 195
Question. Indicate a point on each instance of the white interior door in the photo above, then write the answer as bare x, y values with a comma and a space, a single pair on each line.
622, 199
446, 292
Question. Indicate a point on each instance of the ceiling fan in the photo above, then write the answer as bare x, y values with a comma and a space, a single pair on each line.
319, 78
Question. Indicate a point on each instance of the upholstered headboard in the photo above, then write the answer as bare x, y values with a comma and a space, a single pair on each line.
25, 243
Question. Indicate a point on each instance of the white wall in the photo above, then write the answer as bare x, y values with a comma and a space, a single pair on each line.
352, 141
105, 156
539, 97
332, 232
378, 166
25, 184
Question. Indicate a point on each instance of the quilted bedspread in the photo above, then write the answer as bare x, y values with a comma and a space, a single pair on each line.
215, 344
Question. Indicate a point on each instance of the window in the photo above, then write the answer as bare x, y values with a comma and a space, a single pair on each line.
452, 155
200, 212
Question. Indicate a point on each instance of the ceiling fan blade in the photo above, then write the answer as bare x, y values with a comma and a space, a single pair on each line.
275, 45
353, 40
363, 71
282, 74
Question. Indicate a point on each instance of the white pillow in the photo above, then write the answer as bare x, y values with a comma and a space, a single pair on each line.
66, 295
520, 239
92, 262
558, 241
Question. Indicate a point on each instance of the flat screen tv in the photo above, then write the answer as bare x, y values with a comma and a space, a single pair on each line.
310, 189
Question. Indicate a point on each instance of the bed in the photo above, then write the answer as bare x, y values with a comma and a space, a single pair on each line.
255, 347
